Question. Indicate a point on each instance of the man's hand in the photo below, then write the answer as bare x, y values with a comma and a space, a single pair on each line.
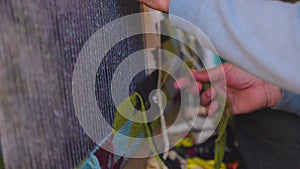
246, 93
161, 5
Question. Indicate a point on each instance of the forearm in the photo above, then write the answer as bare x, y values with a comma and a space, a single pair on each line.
263, 37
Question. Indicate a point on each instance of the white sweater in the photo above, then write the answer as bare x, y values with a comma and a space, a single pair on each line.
260, 36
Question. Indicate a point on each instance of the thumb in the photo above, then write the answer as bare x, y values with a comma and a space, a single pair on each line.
209, 75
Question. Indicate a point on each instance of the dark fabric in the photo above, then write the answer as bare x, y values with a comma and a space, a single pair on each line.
269, 139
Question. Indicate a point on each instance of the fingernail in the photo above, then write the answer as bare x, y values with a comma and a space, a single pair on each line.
208, 93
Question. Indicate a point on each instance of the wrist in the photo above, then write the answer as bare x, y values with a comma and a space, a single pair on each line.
273, 94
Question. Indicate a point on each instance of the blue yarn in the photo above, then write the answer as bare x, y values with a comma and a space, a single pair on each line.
91, 163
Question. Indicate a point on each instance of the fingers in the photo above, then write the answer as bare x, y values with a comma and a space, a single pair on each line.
212, 108
162, 5
210, 75
207, 100
201, 76
196, 88
182, 83
207, 96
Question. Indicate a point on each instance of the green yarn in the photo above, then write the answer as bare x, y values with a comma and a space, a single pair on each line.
148, 132
120, 120
137, 128
1, 163
220, 142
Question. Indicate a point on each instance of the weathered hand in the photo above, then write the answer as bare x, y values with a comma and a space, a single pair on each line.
162, 5
246, 93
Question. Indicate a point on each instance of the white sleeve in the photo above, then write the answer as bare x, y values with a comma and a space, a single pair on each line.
260, 36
